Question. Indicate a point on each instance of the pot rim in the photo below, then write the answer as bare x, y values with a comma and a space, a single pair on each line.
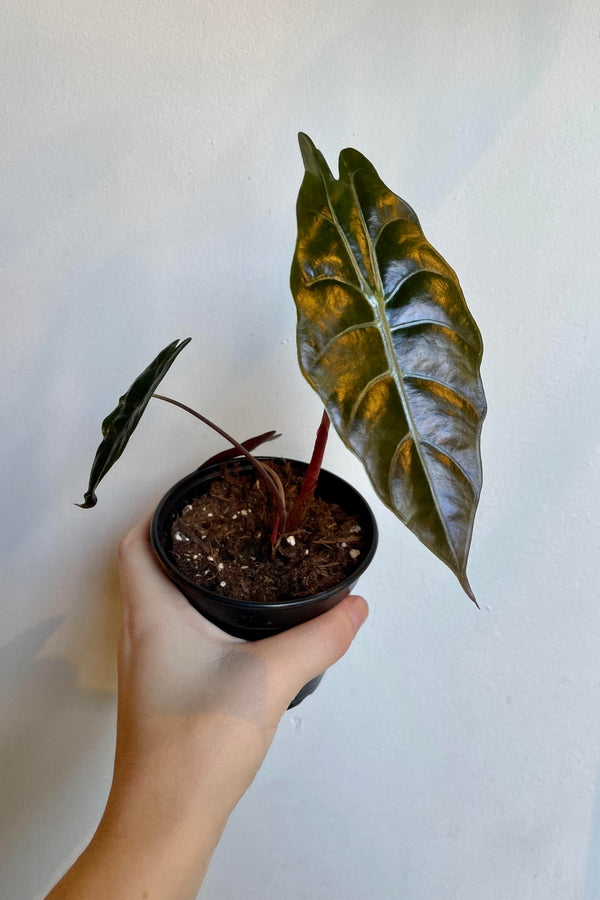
175, 575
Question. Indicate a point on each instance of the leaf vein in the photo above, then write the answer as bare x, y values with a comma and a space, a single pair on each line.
415, 323
385, 374
438, 449
360, 327
335, 278
444, 384
420, 270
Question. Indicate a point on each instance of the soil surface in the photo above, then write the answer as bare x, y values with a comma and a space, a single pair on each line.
222, 541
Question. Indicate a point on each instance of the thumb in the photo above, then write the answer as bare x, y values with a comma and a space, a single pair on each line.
303, 652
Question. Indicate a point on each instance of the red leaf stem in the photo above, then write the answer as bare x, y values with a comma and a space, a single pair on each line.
311, 478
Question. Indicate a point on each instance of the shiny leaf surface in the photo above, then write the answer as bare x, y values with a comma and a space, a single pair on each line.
386, 339
118, 427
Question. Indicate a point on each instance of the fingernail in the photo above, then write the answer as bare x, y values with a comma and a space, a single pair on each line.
357, 610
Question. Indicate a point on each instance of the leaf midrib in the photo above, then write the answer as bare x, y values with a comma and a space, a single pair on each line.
424, 439
397, 372
379, 310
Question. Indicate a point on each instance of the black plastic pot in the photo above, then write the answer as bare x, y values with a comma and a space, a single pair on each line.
252, 620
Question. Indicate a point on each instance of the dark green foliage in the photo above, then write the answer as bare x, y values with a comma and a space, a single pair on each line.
387, 341
118, 427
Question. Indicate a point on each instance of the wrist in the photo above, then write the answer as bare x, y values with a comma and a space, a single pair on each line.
176, 771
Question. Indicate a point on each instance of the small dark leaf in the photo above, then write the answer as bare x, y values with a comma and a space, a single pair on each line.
249, 445
386, 339
118, 427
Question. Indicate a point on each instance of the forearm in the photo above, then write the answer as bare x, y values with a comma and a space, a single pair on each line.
137, 854
117, 866
171, 797
150, 845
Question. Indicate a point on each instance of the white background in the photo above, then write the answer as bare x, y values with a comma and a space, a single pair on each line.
149, 171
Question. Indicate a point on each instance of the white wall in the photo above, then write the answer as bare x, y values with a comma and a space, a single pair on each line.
149, 171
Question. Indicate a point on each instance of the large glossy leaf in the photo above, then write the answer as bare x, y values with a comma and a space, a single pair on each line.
120, 424
386, 339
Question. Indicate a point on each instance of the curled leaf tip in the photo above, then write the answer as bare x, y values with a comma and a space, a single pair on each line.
90, 500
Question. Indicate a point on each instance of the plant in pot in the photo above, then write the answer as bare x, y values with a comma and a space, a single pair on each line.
386, 339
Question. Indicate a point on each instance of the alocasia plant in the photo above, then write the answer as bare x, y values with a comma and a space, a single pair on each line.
387, 341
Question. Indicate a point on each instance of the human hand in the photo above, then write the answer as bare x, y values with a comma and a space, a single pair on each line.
185, 685
197, 712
